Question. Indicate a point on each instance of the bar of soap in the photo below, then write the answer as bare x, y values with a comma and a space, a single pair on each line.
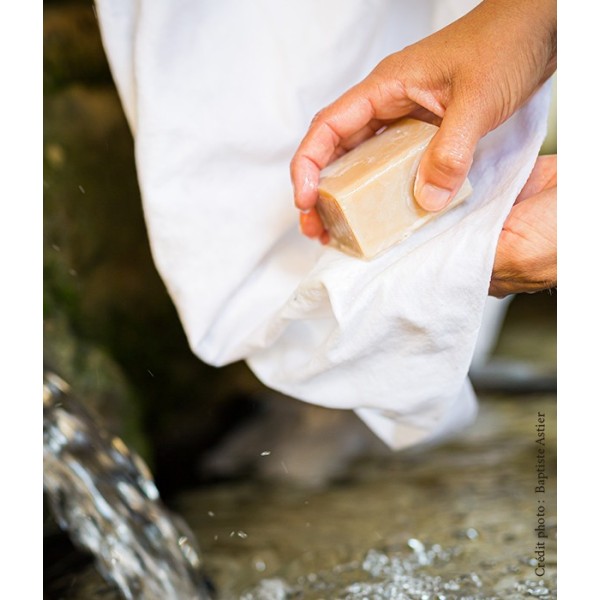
366, 199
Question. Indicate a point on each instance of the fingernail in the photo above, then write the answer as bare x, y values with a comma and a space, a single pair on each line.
432, 198
304, 211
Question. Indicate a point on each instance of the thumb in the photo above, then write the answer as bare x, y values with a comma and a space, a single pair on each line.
447, 160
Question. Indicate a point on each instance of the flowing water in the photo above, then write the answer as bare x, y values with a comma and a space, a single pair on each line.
104, 496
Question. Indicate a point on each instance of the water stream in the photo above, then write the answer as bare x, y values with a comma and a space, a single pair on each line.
103, 494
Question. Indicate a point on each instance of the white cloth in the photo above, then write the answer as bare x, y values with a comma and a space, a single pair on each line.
218, 95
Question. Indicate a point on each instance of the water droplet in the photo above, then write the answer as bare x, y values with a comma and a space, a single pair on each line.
265, 453
472, 533
211, 513
242, 534
538, 591
260, 565
416, 545
81, 189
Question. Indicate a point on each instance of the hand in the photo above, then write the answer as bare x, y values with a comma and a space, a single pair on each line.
526, 253
468, 78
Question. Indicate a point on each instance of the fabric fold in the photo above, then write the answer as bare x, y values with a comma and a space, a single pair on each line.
221, 96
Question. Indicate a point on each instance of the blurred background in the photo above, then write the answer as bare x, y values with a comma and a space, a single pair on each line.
111, 331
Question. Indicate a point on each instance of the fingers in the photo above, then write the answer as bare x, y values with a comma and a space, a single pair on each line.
542, 176
333, 131
305, 171
346, 117
526, 253
311, 225
448, 158
350, 120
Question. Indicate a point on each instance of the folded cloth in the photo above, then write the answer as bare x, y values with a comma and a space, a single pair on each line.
218, 96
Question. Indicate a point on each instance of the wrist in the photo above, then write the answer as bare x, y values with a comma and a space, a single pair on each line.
536, 21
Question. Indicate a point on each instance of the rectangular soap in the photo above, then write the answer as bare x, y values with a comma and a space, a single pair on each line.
366, 199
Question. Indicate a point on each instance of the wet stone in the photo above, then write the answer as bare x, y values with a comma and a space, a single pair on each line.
452, 521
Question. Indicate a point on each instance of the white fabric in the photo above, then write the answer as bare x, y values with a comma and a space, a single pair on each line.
218, 95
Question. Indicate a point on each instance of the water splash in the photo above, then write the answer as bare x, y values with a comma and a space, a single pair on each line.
408, 574
104, 496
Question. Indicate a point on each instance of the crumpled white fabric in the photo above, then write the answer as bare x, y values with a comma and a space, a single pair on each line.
218, 96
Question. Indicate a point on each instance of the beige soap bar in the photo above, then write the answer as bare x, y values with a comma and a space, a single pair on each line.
366, 199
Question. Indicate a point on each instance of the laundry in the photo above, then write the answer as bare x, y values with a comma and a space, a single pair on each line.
218, 96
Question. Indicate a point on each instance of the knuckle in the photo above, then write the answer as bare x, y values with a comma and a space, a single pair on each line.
451, 161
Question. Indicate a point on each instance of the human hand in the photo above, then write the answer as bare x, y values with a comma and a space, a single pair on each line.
526, 252
468, 78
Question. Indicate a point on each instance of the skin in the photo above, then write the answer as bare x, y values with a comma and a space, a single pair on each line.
468, 78
526, 252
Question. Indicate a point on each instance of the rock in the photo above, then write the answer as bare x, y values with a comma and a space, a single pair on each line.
72, 45
293, 442
97, 380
